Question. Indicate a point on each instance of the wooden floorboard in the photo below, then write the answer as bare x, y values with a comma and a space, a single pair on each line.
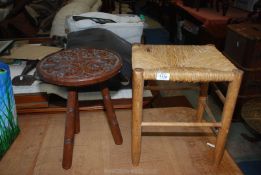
38, 148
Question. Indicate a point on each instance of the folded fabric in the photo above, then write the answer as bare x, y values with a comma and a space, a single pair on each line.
128, 27
75, 7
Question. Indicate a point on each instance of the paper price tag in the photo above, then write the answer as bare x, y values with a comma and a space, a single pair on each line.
162, 76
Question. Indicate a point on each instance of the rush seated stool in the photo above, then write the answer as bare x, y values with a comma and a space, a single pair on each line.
178, 63
75, 68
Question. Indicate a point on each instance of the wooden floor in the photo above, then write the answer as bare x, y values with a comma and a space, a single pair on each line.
38, 148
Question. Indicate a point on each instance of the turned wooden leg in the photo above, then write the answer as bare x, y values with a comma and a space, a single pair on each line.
137, 104
203, 93
77, 117
110, 113
227, 114
69, 130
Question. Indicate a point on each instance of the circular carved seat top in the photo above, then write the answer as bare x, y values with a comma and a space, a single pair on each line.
79, 67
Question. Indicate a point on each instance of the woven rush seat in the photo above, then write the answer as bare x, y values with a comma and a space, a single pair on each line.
184, 63
193, 63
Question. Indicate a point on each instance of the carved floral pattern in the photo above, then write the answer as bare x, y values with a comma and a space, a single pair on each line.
79, 63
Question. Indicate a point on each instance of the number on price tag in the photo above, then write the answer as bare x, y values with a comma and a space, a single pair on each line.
162, 76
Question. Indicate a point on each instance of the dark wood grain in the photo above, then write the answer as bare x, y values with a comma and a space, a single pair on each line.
77, 116
31, 101
79, 67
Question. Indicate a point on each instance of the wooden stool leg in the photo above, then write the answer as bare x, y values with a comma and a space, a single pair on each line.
77, 117
227, 114
201, 100
69, 130
137, 104
110, 113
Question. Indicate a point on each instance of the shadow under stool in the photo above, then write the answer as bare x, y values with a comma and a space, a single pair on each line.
74, 68
191, 64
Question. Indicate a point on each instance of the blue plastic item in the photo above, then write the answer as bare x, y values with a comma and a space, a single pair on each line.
8, 118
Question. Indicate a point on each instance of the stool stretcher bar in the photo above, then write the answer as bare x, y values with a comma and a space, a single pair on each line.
190, 124
209, 112
170, 88
219, 93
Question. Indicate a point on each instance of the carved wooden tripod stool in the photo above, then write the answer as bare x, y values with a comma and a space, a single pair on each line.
74, 68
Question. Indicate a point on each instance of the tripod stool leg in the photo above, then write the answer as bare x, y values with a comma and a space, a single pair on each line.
77, 117
110, 113
69, 130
